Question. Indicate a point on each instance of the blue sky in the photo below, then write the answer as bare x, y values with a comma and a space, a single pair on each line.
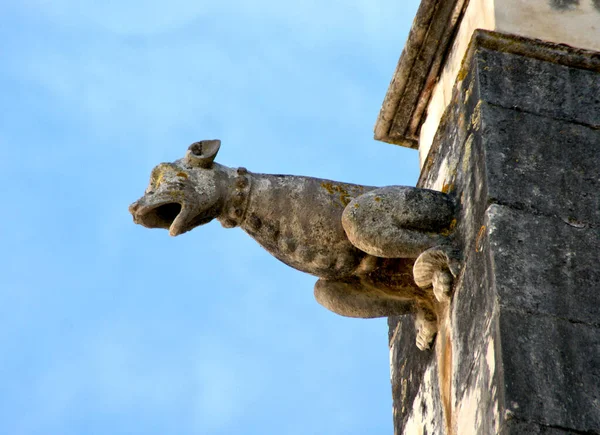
110, 328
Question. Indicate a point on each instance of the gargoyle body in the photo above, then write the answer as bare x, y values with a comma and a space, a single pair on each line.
360, 241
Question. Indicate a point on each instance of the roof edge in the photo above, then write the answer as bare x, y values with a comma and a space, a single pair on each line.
428, 42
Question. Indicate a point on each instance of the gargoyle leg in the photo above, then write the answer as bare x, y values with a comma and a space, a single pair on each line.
398, 221
425, 326
352, 299
437, 267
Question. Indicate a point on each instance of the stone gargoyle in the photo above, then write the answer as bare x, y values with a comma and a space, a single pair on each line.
376, 251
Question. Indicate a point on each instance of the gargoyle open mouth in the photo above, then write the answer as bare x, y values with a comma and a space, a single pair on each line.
167, 215
174, 216
164, 215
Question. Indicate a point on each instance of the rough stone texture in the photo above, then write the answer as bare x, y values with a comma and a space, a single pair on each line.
422, 84
417, 71
528, 178
519, 146
360, 241
398, 221
406, 375
427, 414
518, 427
514, 426
551, 370
550, 268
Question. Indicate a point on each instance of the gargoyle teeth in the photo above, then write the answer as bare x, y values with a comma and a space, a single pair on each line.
178, 225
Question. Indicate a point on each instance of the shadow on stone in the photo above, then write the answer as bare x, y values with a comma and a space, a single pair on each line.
564, 5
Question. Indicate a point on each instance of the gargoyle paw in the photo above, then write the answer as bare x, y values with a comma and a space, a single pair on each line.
442, 285
437, 267
425, 329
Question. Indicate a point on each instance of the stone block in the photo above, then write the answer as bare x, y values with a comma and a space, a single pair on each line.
477, 404
518, 427
544, 265
519, 147
551, 371
407, 368
542, 165
426, 415
541, 87
472, 316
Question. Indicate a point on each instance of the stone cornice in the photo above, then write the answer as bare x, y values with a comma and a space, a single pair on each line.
416, 74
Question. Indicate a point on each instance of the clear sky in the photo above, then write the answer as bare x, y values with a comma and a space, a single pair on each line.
110, 328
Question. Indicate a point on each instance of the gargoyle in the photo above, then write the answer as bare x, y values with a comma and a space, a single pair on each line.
360, 241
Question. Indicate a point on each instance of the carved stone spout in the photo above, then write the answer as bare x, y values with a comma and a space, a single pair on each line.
361, 241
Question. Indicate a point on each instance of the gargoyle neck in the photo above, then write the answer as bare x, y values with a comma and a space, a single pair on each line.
236, 204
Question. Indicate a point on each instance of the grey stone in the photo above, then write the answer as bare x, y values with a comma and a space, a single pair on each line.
476, 405
544, 265
360, 241
533, 176
405, 103
540, 87
398, 221
563, 5
407, 375
404, 108
472, 316
518, 427
427, 413
551, 370
518, 148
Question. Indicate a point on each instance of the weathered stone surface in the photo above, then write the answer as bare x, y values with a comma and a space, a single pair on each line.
473, 318
476, 407
415, 75
431, 61
551, 370
523, 329
540, 87
534, 176
518, 427
359, 240
427, 414
407, 369
544, 265
398, 221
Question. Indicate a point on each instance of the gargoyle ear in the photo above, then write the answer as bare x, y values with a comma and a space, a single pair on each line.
203, 153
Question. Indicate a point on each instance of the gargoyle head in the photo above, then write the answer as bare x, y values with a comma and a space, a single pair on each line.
184, 194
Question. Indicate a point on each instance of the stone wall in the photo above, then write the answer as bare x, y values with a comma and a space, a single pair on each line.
519, 346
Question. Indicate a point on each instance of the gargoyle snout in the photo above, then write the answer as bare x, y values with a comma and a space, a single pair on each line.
153, 212
133, 208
